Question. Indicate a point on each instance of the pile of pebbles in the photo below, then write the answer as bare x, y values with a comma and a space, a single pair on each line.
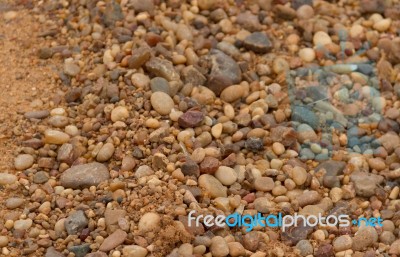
165, 107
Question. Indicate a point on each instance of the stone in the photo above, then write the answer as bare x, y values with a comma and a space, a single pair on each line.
55, 137
299, 175
105, 153
134, 251
52, 252
248, 21
142, 6
333, 170
257, 42
342, 243
308, 198
23, 161
119, 113
193, 76
306, 133
40, 177
291, 236
190, 168
232, 93
96, 254
324, 250
159, 84
139, 57
364, 238
76, 222
162, 68
191, 119
365, 184
84, 175
149, 222
304, 115
113, 240
80, 250
7, 179
264, 184
226, 175
224, 71
254, 144
219, 247
37, 114
71, 69
236, 249
143, 171
211, 186
321, 38
209, 165
305, 247
307, 54
161, 103
14, 202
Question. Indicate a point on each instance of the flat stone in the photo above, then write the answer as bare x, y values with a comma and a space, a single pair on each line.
37, 114
191, 119
113, 240
75, 222
304, 115
365, 184
23, 161
257, 42
159, 84
193, 76
84, 175
161, 103
211, 186
139, 57
162, 68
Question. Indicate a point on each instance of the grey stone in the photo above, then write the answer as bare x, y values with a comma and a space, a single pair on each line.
84, 175
76, 222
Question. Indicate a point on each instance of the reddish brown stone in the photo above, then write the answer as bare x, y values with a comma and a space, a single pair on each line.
209, 165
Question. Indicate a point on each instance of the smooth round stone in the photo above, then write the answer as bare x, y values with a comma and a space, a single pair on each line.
236, 249
278, 148
342, 243
23, 161
299, 175
336, 194
321, 38
106, 152
58, 112
306, 154
7, 179
276, 164
14, 202
306, 133
119, 113
226, 175
216, 130
134, 250
149, 221
162, 103
72, 130
316, 148
3, 241
84, 175
305, 246
219, 247
71, 69
376, 164
232, 93
264, 184
55, 137
211, 186
305, 12
307, 54
23, 224
379, 103
140, 80
159, 84
383, 25
356, 30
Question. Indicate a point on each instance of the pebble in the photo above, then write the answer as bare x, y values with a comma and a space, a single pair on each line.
113, 240
10, 15
232, 93
119, 113
23, 224
383, 25
305, 12
365, 184
211, 186
55, 137
299, 175
71, 68
364, 238
236, 249
14, 202
278, 148
342, 243
321, 39
134, 251
76, 222
305, 247
7, 179
307, 54
84, 175
257, 42
209, 165
140, 80
219, 247
37, 114
3, 241
224, 71
264, 184
159, 84
226, 175
23, 161
162, 68
191, 119
105, 153
149, 222
161, 103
